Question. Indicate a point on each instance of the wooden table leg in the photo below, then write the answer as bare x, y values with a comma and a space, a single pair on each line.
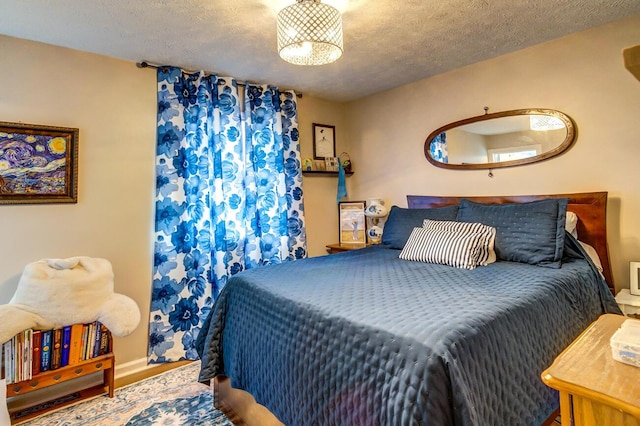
565, 409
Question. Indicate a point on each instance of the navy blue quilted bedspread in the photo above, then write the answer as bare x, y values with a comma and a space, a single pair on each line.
364, 338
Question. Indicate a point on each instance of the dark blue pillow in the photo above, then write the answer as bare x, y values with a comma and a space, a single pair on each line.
401, 222
525, 232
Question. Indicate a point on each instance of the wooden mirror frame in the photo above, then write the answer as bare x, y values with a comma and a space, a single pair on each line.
564, 146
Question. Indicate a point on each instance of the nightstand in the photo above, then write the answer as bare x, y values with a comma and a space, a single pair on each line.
339, 248
629, 304
594, 388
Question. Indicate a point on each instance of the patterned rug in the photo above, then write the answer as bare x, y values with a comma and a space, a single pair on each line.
173, 398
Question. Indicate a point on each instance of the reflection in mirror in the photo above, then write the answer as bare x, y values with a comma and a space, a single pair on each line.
501, 139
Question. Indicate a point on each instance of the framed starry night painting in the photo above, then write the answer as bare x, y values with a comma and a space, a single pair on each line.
38, 164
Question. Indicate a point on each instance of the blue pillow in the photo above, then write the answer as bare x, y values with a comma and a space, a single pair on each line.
525, 232
401, 222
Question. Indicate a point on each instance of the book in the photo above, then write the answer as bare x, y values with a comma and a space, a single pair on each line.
45, 353
12, 359
6, 349
104, 340
85, 337
18, 356
26, 354
97, 338
35, 352
75, 349
8, 359
56, 348
66, 345
91, 339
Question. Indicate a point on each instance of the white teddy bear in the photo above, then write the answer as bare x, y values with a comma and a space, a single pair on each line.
53, 293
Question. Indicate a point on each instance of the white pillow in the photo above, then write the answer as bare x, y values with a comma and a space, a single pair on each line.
593, 254
444, 247
487, 252
570, 224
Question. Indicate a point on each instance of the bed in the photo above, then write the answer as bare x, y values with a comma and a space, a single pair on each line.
367, 337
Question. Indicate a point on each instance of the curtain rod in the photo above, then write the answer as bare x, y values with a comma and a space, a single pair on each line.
145, 64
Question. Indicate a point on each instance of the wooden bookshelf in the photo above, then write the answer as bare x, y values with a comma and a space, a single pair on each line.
102, 363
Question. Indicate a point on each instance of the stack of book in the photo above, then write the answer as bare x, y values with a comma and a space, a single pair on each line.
32, 352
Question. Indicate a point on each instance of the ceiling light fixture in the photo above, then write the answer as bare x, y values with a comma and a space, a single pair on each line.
310, 33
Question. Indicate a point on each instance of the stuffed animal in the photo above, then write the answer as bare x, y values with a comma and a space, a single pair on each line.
53, 293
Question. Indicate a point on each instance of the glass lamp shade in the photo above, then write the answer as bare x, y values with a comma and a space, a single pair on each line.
374, 234
310, 33
375, 208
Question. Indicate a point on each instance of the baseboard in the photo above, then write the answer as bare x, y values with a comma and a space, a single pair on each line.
132, 367
136, 370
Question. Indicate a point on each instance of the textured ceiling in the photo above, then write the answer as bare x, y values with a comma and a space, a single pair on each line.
387, 43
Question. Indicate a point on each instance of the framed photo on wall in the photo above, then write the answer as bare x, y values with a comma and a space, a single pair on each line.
38, 164
324, 141
352, 224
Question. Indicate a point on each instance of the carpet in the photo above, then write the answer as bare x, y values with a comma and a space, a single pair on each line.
172, 398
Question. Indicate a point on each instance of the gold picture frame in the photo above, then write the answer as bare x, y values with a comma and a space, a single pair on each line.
38, 164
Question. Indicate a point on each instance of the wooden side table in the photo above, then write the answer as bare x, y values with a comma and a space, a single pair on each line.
595, 390
338, 248
629, 304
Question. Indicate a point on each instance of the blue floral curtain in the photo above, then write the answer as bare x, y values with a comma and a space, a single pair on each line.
228, 197
438, 148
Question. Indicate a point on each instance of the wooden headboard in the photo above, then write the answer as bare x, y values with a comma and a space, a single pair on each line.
590, 207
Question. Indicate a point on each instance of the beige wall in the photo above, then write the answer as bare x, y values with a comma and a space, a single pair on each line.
582, 75
320, 204
465, 147
113, 104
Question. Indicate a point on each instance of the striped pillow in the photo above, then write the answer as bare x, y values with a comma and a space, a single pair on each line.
444, 247
487, 252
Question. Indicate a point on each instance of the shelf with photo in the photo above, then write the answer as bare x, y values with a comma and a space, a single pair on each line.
327, 166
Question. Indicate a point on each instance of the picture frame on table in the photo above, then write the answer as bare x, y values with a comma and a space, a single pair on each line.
331, 164
319, 165
324, 141
352, 223
634, 278
38, 164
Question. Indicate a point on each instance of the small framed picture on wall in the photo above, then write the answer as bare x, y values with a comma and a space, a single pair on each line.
39, 164
352, 222
324, 141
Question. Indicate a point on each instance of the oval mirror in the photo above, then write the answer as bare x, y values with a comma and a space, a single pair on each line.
501, 139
